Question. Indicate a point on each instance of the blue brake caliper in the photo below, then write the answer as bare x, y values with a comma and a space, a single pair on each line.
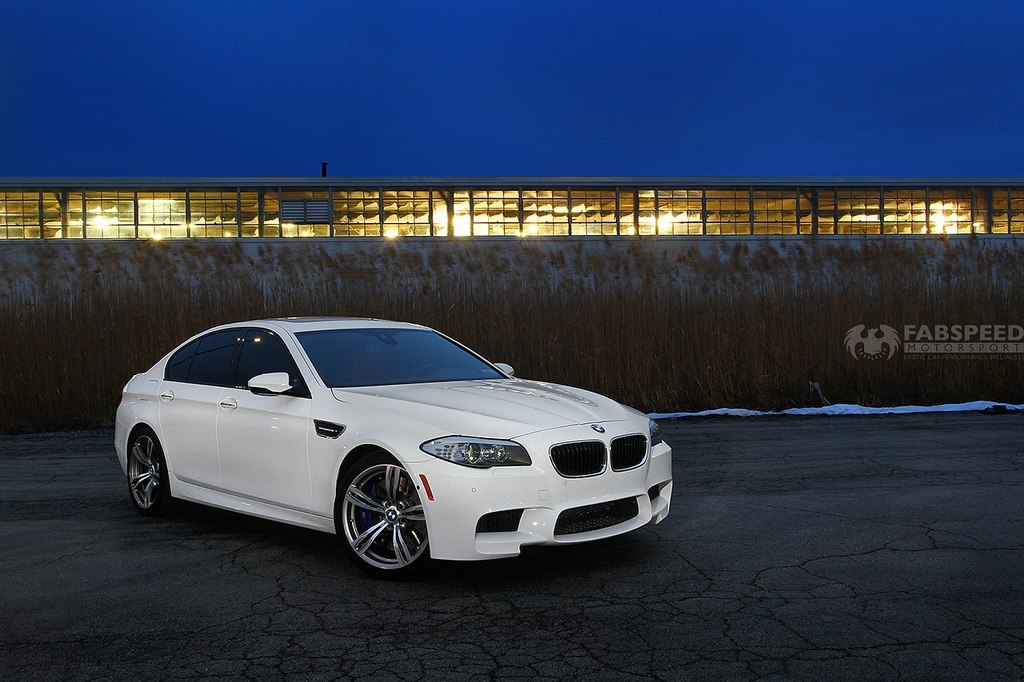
365, 515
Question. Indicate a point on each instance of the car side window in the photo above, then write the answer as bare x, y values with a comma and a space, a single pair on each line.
262, 352
214, 359
180, 362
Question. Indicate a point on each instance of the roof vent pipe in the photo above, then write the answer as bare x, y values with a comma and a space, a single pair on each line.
323, 169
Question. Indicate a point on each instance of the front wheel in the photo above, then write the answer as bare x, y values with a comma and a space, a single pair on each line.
148, 486
379, 518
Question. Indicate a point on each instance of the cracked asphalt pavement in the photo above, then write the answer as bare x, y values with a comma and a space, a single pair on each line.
819, 547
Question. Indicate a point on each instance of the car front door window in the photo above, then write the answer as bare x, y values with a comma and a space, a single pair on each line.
262, 438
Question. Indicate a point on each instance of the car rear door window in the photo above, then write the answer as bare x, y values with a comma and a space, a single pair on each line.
213, 362
262, 352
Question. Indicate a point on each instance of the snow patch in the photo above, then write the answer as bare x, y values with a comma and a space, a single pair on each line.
974, 406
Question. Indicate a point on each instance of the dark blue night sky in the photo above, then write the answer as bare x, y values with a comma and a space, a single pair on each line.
512, 88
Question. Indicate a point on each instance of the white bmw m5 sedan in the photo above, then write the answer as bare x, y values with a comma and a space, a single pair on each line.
406, 444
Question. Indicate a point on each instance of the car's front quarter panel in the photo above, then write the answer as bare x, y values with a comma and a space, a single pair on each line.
365, 428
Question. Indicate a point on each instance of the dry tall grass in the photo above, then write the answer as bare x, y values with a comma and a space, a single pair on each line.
661, 326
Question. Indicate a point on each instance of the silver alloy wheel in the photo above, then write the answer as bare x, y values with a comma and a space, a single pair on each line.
383, 517
144, 471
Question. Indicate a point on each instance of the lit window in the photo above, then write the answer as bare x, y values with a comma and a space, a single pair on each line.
545, 212
1000, 210
627, 212
162, 215
646, 211
805, 216
593, 212
774, 211
905, 211
53, 225
406, 213
949, 211
495, 212
356, 213
462, 221
441, 216
109, 215
1017, 210
271, 214
212, 214
250, 215
19, 215
728, 211
680, 211
857, 211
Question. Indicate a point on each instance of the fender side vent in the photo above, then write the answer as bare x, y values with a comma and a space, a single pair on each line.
328, 429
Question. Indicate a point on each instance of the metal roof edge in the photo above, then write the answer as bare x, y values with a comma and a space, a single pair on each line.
504, 181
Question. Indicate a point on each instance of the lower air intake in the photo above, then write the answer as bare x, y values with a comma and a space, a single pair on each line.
500, 521
596, 516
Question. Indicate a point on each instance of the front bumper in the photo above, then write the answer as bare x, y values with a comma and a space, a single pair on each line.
462, 495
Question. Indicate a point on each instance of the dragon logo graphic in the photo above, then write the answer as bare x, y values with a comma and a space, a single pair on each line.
879, 342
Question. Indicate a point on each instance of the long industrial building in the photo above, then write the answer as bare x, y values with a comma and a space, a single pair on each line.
397, 208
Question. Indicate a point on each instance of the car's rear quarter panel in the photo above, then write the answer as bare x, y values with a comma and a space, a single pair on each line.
140, 404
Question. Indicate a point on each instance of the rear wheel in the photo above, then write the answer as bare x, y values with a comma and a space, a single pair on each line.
148, 486
379, 518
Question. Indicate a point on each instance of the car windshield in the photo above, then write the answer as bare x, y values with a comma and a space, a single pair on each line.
345, 358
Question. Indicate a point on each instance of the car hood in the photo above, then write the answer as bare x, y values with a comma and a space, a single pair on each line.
503, 408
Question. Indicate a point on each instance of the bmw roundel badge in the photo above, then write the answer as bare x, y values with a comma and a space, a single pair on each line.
597, 427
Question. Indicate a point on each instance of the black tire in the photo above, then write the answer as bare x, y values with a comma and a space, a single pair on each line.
379, 518
149, 487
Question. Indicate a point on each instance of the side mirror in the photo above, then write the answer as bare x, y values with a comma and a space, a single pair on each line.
506, 368
271, 383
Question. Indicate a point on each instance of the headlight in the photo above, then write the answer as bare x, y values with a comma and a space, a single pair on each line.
655, 432
480, 453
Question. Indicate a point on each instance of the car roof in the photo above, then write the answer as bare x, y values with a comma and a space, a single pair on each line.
311, 323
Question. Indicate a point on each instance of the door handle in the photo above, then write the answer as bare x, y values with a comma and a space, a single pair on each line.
167, 396
229, 403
